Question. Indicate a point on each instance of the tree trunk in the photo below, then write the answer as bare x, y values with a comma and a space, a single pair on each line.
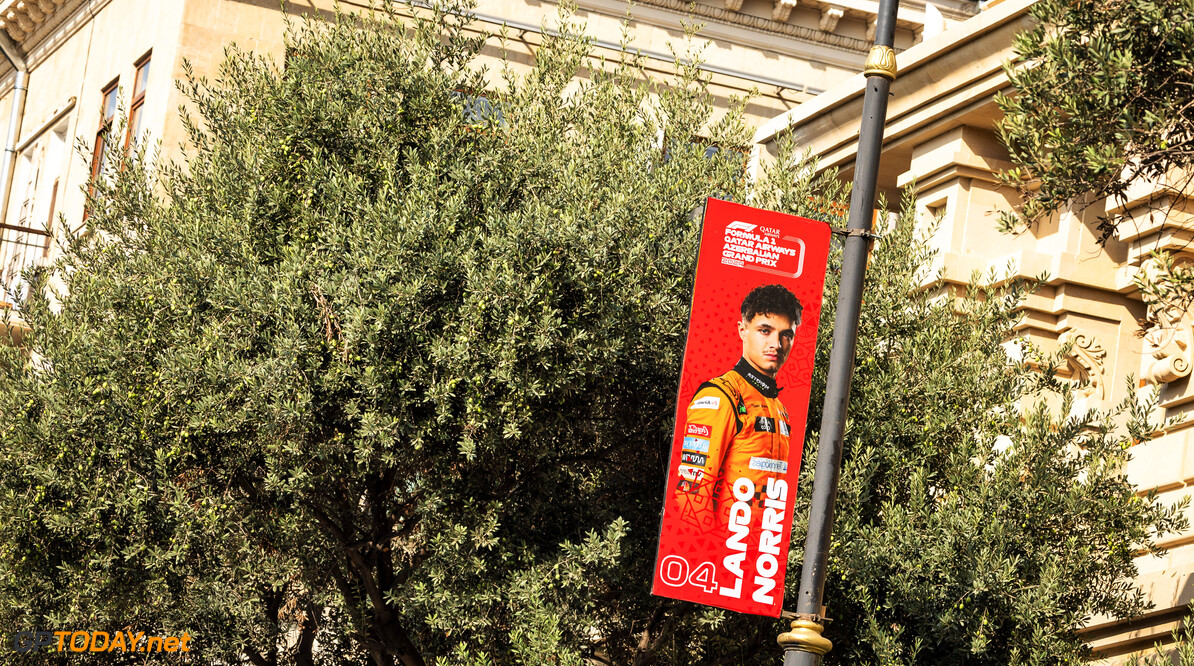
303, 655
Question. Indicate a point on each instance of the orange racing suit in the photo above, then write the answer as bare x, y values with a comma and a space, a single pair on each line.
736, 427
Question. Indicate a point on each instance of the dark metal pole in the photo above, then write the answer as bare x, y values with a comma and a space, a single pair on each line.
804, 645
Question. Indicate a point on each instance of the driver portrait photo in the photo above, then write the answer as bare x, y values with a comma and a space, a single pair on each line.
736, 426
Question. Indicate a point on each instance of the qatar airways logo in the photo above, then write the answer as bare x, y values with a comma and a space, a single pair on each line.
762, 248
747, 228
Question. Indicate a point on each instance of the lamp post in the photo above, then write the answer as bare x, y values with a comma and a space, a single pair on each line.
803, 644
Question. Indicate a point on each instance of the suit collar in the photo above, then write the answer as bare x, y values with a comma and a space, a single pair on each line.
763, 383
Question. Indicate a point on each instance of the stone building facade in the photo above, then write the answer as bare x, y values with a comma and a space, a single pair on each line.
940, 135
71, 67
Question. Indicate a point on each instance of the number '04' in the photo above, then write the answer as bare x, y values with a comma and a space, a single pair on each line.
674, 571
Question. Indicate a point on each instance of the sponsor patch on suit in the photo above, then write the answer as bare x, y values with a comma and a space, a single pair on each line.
769, 465
693, 458
764, 424
686, 486
694, 444
707, 402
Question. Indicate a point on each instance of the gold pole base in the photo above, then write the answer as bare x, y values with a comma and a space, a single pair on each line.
806, 637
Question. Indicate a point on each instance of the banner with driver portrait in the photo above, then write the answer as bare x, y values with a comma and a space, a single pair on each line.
740, 416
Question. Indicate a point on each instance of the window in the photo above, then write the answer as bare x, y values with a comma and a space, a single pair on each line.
135, 115
26, 242
31, 164
99, 159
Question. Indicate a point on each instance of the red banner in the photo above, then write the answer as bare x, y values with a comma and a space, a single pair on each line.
743, 401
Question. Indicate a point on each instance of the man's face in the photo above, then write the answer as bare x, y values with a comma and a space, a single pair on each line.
766, 341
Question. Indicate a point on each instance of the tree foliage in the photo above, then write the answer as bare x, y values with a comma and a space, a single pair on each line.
372, 378
1104, 98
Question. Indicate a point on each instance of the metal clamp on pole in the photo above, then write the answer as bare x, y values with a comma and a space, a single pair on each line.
803, 644
865, 233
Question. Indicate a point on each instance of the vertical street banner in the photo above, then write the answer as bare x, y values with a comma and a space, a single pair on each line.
740, 416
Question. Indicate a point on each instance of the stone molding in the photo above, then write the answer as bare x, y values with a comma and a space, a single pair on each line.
830, 16
783, 9
1169, 337
20, 18
1087, 363
1168, 346
758, 23
932, 87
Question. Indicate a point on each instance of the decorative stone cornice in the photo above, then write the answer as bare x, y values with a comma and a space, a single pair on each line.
1086, 361
765, 25
19, 18
910, 18
1169, 336
830, 15
782, 10
1168, 347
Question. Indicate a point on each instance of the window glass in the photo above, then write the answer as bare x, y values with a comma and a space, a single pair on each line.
142, 78
100, 159
109, 103
135, 109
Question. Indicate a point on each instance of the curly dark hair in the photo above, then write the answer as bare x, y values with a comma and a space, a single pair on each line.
772, 299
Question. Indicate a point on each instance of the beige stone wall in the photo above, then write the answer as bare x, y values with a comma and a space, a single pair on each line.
97, 42
1161, 222
83, 45
781, 54
75, 48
